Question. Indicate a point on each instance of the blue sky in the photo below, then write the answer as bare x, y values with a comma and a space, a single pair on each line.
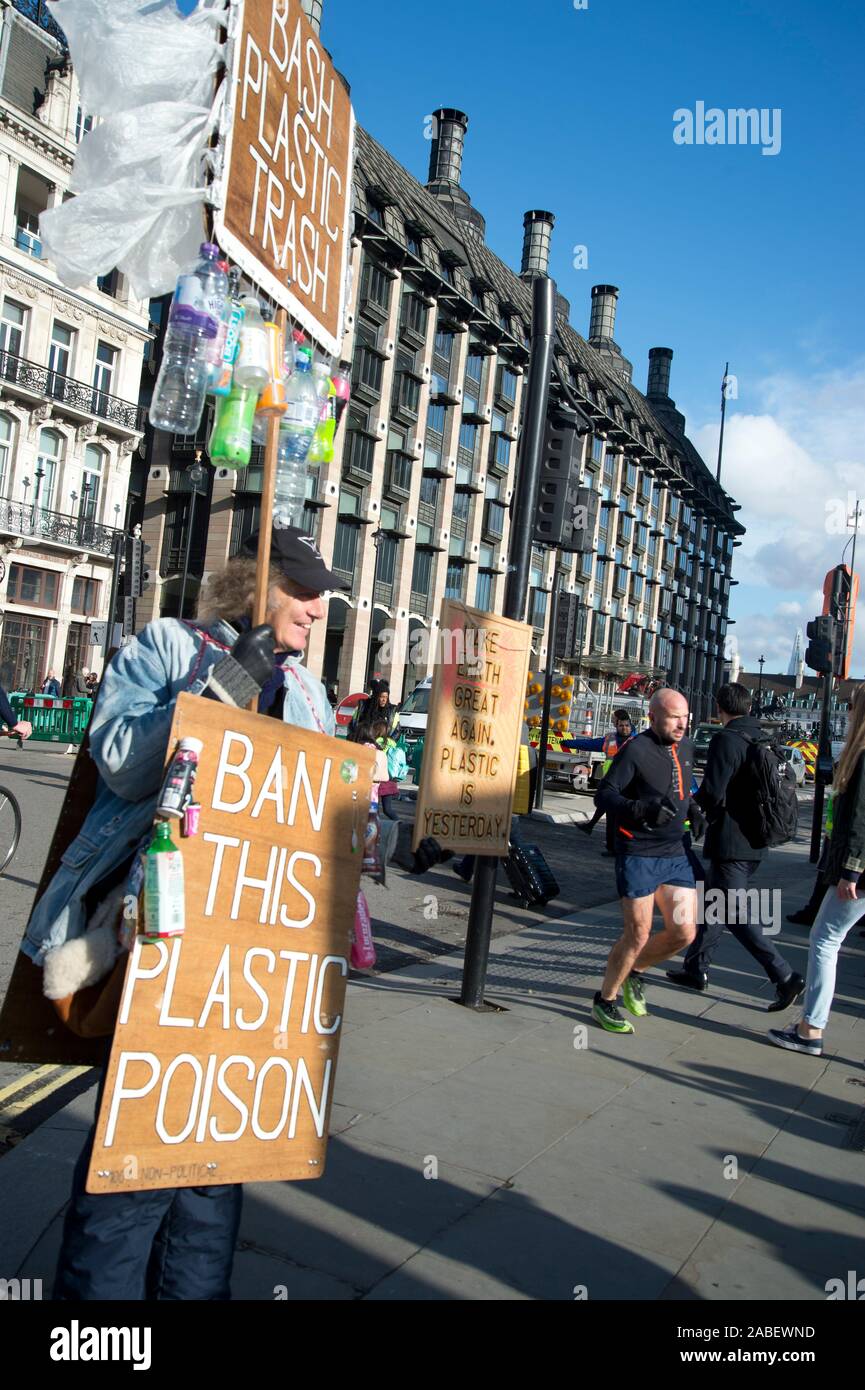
720, 252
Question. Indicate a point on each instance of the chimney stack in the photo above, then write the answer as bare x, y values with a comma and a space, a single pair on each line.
602, 326
537, 233
312, 10
446, 155
658, 386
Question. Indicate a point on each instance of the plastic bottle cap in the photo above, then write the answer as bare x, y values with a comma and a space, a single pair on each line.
192, 745
209, 248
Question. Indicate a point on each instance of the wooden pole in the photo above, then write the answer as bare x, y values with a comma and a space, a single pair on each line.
268, 484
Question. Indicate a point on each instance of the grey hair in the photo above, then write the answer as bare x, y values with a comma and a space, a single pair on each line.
230, 593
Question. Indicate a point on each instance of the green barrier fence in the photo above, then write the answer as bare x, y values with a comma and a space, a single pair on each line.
53, 720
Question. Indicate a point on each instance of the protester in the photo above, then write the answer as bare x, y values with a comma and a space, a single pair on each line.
51, 685
648, 790
726, 797
612, 744
169, 1243
21, 727
377, 705
842, 903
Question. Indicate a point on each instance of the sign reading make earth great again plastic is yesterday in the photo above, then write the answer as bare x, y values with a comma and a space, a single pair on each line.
286, 209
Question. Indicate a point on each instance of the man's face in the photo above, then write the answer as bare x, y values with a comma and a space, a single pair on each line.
669, 718
383, 698
291, 612
623, 728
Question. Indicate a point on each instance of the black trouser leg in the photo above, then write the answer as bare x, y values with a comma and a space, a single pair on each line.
732, 876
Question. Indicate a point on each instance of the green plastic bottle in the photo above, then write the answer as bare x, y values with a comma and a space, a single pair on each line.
231, 438
164, 904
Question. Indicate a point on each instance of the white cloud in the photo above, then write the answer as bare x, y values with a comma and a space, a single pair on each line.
791, 462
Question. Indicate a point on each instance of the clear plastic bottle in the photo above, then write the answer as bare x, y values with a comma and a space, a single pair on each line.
302, 411
252, 368
223, 352
289, 491
193, 324
321, 448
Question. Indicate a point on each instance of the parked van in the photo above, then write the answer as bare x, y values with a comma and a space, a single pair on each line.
413, 713
703, 735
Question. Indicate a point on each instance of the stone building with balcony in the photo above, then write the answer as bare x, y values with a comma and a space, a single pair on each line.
70, 372
415, 505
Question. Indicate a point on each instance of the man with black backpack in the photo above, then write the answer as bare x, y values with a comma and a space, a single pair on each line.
750, 806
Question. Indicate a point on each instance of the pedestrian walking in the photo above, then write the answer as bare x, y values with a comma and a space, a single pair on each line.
843, 900
726, 797
51, 685
648, 791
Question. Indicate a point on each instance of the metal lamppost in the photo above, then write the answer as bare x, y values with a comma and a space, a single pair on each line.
39, 475
376, 540
196, 475
760, 662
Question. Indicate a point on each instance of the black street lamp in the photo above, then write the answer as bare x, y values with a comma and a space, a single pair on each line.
376, 540
760, 662
196, 475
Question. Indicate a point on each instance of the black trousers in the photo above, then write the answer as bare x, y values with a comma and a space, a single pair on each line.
732, 875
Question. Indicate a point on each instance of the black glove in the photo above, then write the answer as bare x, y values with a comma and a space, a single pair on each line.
428, 853
654, 813
699, 823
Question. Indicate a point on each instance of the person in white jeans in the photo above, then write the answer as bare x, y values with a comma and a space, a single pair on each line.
844, 900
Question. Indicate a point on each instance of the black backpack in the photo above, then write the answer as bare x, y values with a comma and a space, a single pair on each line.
773, 815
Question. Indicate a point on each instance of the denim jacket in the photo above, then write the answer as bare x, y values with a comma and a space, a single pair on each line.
128, 738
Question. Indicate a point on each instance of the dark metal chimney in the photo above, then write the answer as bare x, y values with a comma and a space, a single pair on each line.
602, 327
312, 10
658, 385
537, 233
446, 156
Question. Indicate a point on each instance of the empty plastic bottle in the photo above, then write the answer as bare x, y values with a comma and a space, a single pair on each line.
223, 351
193, 324
289, 491
231, 437
302, 411
252, 367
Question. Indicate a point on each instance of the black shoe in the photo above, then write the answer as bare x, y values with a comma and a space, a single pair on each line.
787, 994
586, 826
803, 918
789, 1038
688, 980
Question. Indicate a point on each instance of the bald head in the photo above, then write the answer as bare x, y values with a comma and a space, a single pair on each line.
668, 715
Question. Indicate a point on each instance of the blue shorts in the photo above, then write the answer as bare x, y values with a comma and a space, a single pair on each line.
638, 876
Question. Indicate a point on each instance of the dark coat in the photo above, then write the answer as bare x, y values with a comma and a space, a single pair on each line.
726, 791
847, 845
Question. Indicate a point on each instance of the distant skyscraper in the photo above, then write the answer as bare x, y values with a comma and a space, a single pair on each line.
796, 667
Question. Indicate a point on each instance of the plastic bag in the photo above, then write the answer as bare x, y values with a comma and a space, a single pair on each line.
362, 945
148, 74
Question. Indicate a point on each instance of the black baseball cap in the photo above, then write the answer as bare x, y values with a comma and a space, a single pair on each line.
297, 557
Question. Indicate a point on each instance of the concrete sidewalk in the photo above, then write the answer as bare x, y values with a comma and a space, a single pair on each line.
526, 1154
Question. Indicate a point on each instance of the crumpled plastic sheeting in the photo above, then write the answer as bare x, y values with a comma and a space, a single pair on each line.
147, 73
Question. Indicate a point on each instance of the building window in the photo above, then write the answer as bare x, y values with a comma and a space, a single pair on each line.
435, 420
345, 547
444, 344
59, 355
22, 652
474, 369
5, 452
47, 466
494, 519
508, 385
454, 580
85, 596
103, 370
27, 237
12, 329
375, 212
375, 285
35, 587
110, 283
597, 449
502, 452
421, 575
414, 314
83, 124
539, 608
468, 438
484, 591
91, 478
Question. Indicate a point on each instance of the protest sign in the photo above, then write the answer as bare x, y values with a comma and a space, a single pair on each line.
476, 705
286, 188
223, 1060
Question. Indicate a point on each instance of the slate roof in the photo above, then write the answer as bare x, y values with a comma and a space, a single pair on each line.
408, 205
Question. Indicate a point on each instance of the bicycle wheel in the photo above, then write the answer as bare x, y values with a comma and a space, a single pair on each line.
10, 827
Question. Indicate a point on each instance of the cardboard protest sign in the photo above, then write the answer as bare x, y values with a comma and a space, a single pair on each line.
223, 1061
476, 708
286, 188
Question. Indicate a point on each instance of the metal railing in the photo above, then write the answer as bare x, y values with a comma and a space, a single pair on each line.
86, 400
37, 10
34, 522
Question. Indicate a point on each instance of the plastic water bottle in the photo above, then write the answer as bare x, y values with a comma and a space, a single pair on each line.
193, 324
252, 368
289, 491
302, 411
223, 351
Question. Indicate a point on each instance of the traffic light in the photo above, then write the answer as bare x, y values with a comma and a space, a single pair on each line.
566, 513
132, 577
820, 652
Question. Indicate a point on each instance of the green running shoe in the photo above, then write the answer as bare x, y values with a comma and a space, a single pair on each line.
633, 997
607, 1014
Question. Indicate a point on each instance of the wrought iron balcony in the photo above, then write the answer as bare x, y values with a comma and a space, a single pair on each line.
76, 396
37, 523
37, 10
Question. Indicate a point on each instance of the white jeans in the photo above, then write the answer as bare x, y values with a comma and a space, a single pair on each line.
832, 924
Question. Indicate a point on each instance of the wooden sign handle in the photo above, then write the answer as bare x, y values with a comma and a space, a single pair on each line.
268, 485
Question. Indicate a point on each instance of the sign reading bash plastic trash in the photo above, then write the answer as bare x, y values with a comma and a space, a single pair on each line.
288, 157
223, 1061
476, 709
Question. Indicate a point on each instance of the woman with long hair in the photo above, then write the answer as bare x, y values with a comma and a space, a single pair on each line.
842, 905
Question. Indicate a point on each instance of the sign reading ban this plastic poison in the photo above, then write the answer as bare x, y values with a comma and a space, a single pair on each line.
466, 793
288, 159
223, 1061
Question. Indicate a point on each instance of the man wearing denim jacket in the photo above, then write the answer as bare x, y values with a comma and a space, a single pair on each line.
167, 1243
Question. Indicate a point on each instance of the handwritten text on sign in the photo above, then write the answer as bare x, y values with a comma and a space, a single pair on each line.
465, 798
223, 1061
289, 166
